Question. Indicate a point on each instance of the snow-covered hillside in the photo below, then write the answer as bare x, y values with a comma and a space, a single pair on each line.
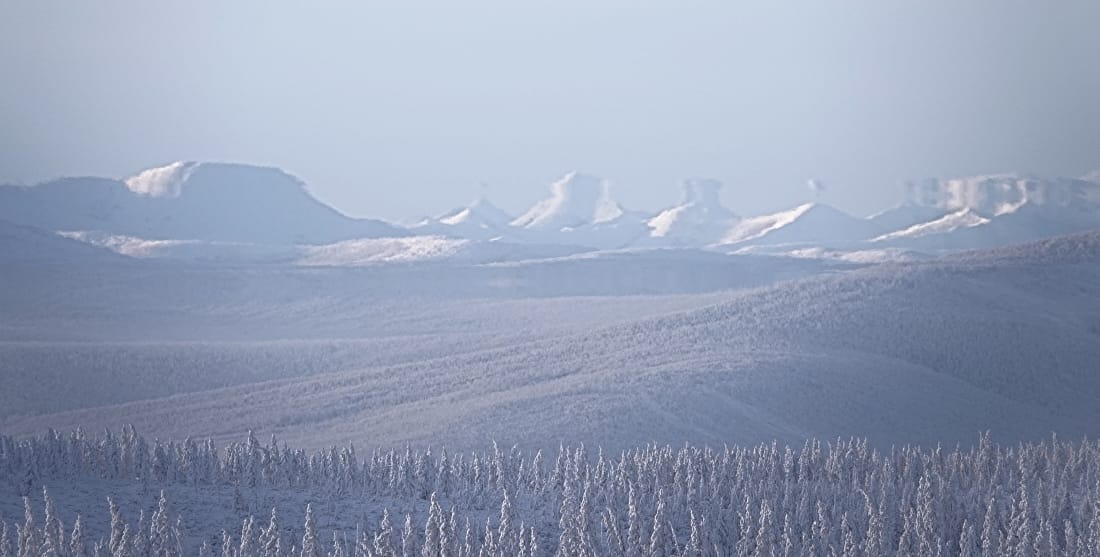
963, 218
921, 352
418, 249
998, 210
812, 223
21, 244
967, 228
906, 216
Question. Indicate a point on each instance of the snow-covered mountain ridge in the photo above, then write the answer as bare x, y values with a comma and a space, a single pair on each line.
217, 211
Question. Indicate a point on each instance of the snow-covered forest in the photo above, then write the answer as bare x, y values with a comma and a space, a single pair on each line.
841, 497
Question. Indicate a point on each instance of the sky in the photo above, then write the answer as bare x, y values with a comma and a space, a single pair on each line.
402, 109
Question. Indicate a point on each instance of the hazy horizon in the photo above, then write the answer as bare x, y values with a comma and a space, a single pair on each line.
388, 111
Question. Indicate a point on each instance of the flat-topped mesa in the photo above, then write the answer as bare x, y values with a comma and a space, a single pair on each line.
229, 182
218, 202
998, 194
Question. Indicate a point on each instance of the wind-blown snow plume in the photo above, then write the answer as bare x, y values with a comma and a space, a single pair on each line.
163, 181
816, 186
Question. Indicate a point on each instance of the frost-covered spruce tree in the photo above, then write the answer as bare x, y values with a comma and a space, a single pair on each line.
506, 533
613, 537
383, 540
586, 538
410, 546
30, 544
6, 549
125, 547
662, 542
117, 526
249, 546
228, 548
488, 539
766, 540
468, 540
311, 542
139, 538
432, 543
162, 537
53, 532
270, 540
77, 546
449, 534
695, 546
635, 526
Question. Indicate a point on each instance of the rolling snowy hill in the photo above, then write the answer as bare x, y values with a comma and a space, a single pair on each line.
812, 223
21, 244
922, 352
905, 216
969, 229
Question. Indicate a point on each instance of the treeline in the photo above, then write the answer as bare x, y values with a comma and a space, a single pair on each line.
841, 498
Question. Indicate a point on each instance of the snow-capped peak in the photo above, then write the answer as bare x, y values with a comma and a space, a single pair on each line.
699, 218
575, 200
162, 181
480, 212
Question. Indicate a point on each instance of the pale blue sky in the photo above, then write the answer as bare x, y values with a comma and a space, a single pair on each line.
394, 109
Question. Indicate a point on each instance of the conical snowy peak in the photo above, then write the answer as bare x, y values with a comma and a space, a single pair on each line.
480, 220
699, 219
576, 200
481, 212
